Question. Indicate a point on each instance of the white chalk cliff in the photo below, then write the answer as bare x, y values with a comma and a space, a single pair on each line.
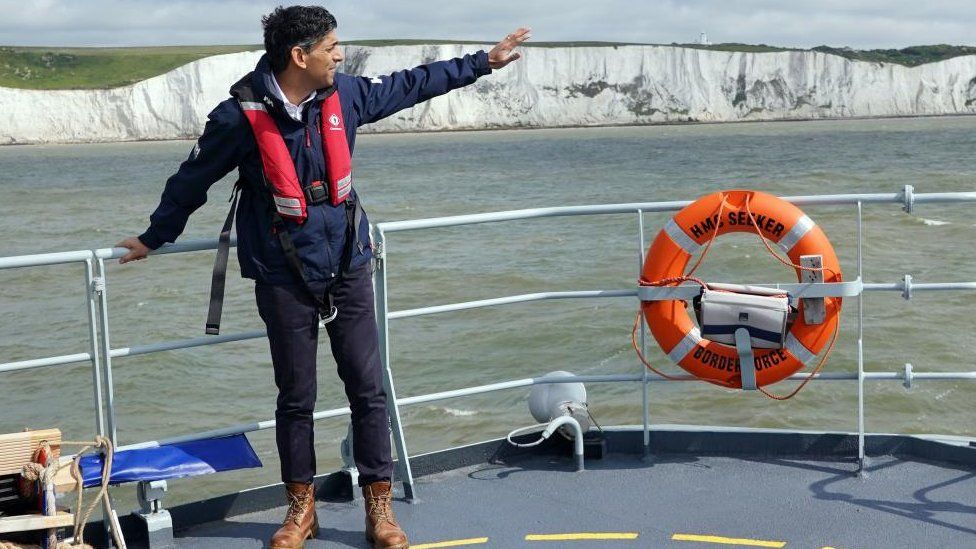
549, 87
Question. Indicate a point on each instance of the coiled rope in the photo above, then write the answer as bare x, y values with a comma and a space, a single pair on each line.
35, 472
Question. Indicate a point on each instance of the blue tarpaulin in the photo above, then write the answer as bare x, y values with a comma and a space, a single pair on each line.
184, 459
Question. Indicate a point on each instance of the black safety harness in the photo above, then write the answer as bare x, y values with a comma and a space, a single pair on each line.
314, 195
323, 301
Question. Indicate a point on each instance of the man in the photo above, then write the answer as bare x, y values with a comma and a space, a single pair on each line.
290, 128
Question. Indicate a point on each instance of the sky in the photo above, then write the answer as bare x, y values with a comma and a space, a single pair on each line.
861, 24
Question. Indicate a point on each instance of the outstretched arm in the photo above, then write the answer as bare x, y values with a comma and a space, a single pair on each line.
386, 95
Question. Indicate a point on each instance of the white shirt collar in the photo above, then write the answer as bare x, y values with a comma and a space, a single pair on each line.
294, 111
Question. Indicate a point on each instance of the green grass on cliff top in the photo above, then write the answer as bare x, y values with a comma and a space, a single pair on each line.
43, 68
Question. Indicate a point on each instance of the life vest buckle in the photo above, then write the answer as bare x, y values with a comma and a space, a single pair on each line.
315, 192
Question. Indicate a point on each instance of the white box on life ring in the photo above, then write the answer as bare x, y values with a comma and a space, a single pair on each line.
765, 317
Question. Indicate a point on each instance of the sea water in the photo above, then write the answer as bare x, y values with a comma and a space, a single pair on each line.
74, 197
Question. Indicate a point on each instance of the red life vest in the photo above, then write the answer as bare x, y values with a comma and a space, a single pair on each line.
279, 168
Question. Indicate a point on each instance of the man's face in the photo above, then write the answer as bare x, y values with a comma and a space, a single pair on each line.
321, 61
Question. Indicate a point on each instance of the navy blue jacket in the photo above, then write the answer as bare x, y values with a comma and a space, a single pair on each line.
228, 142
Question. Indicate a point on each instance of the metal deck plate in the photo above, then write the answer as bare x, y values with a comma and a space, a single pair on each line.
674, 500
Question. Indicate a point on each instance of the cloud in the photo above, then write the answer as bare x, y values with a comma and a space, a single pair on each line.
860, 24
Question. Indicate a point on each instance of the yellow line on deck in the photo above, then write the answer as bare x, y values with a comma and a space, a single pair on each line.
728, 541
581, 536
452, 543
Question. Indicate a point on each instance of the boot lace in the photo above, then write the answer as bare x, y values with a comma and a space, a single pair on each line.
380, 508
297, 506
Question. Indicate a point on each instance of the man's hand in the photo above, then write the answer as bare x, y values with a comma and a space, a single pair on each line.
137, 250
503, 53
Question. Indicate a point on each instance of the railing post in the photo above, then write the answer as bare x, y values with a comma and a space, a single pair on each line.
102, 293
92, 288
645, 403
383, 330
860, 345
109, 521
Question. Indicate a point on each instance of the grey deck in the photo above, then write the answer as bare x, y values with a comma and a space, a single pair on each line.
804, 501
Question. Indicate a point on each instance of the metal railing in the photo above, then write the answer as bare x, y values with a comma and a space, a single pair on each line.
100, 354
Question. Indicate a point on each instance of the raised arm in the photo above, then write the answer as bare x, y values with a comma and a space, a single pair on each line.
386, 95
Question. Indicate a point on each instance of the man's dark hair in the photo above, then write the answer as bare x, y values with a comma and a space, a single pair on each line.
285, 28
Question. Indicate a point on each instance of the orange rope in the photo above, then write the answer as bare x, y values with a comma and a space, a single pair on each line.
820, 365
833, 337
677, 280
640, 355
786, 262
688, 277
721, 210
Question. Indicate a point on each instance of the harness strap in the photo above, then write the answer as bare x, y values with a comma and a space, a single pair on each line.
354, 216
327, 310
217, 282
326, 303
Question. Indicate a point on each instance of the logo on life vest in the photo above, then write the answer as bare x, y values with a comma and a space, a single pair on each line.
334, 120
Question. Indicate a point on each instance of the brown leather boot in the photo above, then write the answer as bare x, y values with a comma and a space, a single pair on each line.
301, 521
382, 529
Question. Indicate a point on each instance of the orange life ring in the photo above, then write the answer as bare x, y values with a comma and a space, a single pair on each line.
780, 222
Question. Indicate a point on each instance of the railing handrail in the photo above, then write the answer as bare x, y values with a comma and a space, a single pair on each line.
907, 198
96, 281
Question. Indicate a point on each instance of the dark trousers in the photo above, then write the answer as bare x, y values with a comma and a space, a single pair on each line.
291, 317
